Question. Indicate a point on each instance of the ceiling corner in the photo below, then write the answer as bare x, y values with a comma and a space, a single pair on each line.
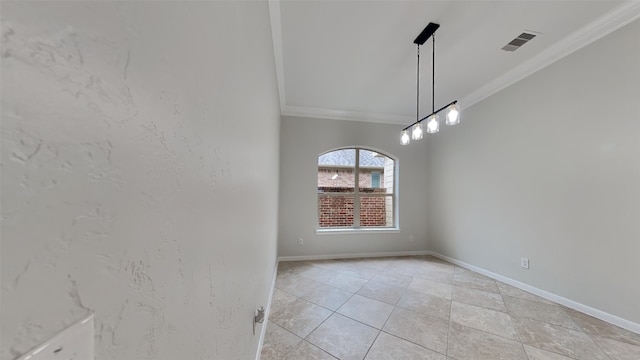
276, 38
604, 25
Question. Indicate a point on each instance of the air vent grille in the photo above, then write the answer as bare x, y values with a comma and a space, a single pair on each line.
520, 40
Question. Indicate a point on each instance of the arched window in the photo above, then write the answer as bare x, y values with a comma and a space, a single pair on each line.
342, 204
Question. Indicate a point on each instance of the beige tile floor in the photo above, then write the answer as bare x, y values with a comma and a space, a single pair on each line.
422, 308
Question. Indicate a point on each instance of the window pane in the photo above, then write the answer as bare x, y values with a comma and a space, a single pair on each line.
376, 211
376, 172
336, 171
335, 210
375, 179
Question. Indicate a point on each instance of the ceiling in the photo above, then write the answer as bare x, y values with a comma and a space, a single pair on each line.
356, 60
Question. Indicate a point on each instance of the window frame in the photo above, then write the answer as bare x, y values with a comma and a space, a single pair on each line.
357, 195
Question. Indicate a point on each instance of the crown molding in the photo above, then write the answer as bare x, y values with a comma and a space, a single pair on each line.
346, 115
606, 24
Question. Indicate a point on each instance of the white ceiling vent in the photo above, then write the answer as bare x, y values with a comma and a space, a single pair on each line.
520, 40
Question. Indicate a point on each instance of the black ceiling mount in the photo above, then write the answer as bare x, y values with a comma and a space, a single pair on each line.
426, 33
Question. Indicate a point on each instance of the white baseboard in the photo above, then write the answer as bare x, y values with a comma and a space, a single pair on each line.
352, 256
604, 316
263, 329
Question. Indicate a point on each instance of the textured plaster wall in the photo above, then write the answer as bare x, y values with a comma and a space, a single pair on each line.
549, 169
139, 175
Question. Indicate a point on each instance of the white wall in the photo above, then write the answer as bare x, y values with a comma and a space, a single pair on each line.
302, 140
549, 169
130, 184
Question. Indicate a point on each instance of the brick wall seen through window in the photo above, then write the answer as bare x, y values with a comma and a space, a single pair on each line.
343, 205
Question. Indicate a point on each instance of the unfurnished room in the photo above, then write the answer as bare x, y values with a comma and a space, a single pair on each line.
320, 180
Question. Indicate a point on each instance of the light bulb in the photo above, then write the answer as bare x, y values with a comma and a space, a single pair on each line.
416, 133
433, 126
453, 116
404, 138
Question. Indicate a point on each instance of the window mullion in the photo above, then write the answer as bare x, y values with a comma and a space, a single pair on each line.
356, 192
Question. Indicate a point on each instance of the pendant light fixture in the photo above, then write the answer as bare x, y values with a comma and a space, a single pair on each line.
416, 132
433, 122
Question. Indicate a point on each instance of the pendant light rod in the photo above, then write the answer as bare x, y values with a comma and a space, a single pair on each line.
418, 86
435, 112
433, 75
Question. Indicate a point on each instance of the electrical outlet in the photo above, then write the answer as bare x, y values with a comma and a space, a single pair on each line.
300, 241
524, 262
411, 238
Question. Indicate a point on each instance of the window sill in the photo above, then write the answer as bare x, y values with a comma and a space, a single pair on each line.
357, 231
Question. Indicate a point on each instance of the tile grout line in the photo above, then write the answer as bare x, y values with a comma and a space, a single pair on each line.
515, 328
404, 289
373, 342
293, 347
450, 321
379, 330
590, 336
402, 338
518, 331
333, 312
304, 339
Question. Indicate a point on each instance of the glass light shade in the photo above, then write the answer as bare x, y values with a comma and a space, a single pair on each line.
416, 133
404, 138
433, 125
453, 116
